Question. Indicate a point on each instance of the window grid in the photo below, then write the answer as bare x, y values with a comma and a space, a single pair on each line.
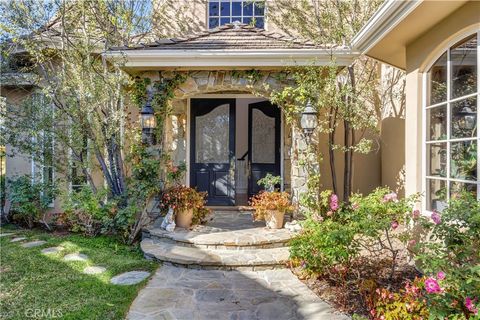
449, 140
216, 18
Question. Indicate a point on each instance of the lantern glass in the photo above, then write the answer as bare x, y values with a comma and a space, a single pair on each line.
148, 121
308, 121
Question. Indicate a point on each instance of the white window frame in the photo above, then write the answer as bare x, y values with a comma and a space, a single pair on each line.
448, 103
231, 14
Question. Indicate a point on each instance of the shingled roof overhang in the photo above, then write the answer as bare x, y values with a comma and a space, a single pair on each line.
229, 46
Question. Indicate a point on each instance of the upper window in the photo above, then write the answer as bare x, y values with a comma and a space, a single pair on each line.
221, 12
451, 124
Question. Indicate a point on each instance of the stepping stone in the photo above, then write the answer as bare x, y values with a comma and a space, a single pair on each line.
6, 234
129, 278
52, 250
94, 270
75, 257
34, 244
18, 239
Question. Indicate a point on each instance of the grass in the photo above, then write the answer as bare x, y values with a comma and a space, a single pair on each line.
34, 285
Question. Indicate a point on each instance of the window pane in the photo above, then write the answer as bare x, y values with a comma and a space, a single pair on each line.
437, 88
212, 23
225, 9
247, 8
437, 123
213, 8
247, 20
464, 67
224, 21
236, 8
457, 187
239, 19
259, 8
463, 163
259, 23
464, 118
436, 194
437, 159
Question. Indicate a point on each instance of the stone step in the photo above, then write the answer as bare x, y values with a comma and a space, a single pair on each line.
213, 238
204, 258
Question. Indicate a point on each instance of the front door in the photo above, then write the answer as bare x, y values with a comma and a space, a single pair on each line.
212, 153
264, 143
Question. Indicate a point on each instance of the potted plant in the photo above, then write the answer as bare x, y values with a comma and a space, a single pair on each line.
187, 203
271, 207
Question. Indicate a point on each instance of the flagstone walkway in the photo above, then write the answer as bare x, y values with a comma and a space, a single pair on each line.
231, 268
189, 294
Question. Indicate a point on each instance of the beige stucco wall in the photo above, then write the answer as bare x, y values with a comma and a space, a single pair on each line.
420, 53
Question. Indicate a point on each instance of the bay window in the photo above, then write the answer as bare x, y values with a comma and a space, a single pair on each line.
451, 136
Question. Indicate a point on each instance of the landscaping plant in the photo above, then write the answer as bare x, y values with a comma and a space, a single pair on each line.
30, 200
181, 198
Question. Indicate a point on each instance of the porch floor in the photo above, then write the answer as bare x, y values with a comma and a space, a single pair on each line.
226, 230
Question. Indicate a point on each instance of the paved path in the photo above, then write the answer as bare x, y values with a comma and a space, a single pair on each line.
190, 294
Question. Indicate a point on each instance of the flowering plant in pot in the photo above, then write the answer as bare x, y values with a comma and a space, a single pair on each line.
271, 207
187, 203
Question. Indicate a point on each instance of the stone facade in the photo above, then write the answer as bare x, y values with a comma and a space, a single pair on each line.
259, 83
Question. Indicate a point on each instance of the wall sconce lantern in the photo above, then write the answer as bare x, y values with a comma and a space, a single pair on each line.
309, 119
149, 123
468, 120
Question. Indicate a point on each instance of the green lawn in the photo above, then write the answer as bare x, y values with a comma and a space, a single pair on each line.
33, 285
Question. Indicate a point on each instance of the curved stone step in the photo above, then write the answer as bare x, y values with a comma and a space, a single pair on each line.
214, 238
204, 258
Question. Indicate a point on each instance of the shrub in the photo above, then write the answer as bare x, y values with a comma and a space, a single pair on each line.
30, 199
87, 211
335, 235
182, 198
269, 182
407, 304
265, 201
449, 255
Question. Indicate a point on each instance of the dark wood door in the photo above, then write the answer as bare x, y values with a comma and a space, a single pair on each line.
212, 152
264, 143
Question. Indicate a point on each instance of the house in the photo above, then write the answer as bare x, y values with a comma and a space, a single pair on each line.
437, 44
229, 135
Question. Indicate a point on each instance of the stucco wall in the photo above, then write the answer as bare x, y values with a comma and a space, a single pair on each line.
420, 53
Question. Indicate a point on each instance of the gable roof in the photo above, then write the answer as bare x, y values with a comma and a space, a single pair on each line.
227, 37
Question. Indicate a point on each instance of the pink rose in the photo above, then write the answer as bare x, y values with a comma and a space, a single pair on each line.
394, 225
390, 197
470, 305
355, 206
412, 242
437, 219
441, 275
432, 286
416, 214
329, 213
334, 202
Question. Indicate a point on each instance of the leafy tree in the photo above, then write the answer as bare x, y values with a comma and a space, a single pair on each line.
348, 101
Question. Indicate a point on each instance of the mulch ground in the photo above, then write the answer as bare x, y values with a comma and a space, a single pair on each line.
350, 296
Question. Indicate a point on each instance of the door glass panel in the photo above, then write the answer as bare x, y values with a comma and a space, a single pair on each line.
464, 67
464, 118
263, 138
437, 123
436, 194
438, 81
212, 136
463, 162
437, 155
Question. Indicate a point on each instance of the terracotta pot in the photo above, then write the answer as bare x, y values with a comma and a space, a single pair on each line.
183, 218
274, 219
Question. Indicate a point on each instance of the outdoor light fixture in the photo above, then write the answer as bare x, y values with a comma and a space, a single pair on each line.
468, 118
308, 121
149, 123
